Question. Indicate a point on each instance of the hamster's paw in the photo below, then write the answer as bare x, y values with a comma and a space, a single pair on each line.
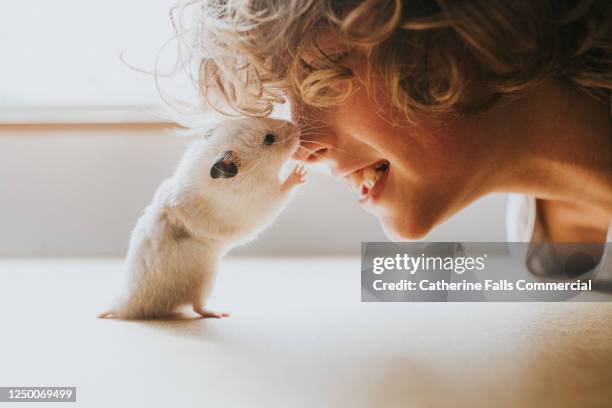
110, 314
295, 178
208, 314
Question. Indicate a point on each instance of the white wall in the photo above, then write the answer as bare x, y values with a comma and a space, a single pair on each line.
80, 192
67, 52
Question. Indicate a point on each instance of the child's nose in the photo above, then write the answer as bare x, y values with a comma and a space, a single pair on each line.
306, 153
314, 138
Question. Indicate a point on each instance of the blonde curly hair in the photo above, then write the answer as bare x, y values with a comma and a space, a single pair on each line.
248, 54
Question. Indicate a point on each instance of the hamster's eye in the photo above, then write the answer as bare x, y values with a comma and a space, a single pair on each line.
269, 139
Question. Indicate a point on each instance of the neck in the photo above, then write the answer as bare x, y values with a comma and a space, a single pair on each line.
561, 144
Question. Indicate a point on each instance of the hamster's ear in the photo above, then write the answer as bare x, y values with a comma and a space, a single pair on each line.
224, 166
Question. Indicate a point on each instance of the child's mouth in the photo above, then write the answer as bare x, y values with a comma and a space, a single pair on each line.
364, 181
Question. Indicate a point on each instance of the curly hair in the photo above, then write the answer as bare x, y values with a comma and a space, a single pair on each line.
429, 53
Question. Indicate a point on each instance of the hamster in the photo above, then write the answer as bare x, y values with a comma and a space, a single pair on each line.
225, 190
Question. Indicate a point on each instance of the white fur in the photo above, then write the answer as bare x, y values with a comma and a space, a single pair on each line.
194, 219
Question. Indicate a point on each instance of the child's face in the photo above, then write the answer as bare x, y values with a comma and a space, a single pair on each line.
436, 167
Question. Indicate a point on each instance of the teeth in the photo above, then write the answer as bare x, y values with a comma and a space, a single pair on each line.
355, 180
364, 180
369, 183
369, 174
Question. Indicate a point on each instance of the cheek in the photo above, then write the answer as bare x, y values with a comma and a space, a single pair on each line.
427, 150
427, 165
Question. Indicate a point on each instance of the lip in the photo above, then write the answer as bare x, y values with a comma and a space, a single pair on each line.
342, 174
374, 195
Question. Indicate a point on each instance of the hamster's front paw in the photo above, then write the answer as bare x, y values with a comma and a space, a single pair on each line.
295, 178
208, 314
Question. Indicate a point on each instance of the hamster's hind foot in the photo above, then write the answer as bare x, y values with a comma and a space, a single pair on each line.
107, 315
208, 314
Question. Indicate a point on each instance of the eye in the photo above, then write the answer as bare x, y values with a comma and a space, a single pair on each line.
269, 139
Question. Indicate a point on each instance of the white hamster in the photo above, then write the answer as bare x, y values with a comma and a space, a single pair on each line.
226, 189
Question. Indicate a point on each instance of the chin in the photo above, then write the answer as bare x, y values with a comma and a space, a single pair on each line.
402, 229
409, 223
409, 211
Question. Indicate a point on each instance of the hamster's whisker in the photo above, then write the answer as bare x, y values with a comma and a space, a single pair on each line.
311, 122
310, 152
323, 144
313, 132
306, 129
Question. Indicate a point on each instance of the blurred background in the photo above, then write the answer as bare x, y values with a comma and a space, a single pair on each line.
83, 143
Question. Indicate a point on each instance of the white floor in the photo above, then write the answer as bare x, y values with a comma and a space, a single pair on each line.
298, 337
